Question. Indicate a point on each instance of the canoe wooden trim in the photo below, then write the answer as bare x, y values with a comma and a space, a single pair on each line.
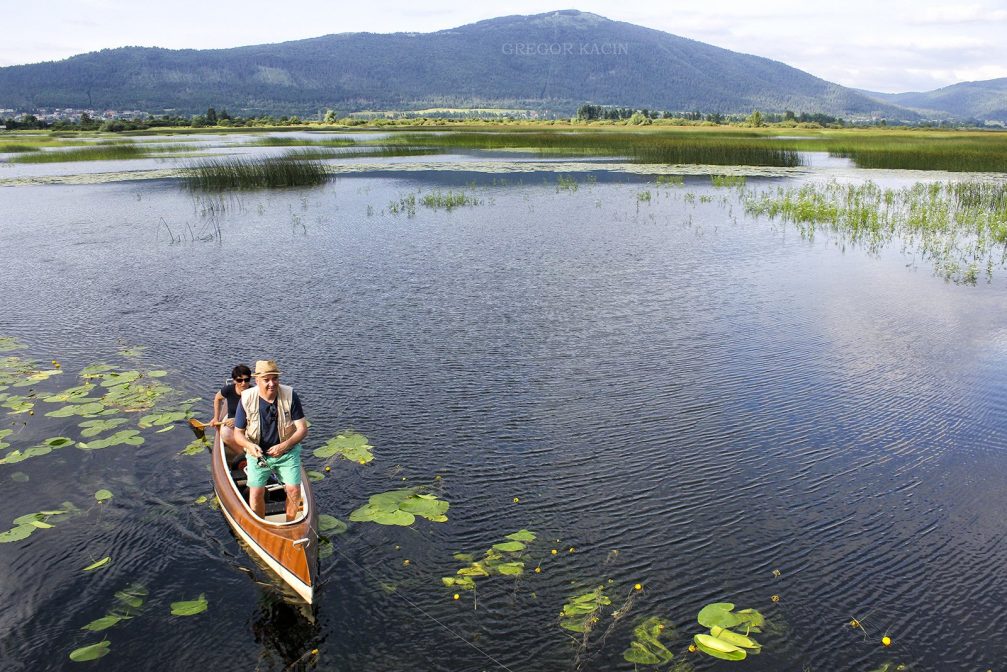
288, 548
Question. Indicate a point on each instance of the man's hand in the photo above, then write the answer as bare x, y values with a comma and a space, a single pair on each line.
276, 450
229, 422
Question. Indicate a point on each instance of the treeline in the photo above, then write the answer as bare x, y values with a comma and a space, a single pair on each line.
211, 118
588, 112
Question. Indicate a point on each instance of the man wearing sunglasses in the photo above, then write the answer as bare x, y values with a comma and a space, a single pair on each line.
269, 425
225, 407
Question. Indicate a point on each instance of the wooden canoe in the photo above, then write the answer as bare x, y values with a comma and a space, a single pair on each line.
289, 549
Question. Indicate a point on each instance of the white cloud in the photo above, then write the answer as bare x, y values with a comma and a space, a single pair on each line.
946, 14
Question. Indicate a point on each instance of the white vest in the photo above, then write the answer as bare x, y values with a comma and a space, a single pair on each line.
250, 402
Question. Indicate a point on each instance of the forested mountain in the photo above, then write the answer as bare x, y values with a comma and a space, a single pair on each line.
550, 62
967, 100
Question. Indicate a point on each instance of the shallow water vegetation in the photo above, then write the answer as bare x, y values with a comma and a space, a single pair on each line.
348, 445
506, 558
438, 200
670, 147
401, 507
960, 227
238, 173
729, 631
646, 647
26, 525
110, 152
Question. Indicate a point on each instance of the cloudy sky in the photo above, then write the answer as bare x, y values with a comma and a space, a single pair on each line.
881, 45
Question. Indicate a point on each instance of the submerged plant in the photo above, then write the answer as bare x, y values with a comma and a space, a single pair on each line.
646, 647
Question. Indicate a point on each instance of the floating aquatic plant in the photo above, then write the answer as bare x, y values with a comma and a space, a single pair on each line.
44, 448
107, 621
27, 524
189, 608
582, 611
78, 394
95, 427
103, 495
448, 201
133, 595
726, 640
130, 437
9, 344
331, 525
348, 445
506, 558
98, 564
400, 507
646, 647
196, 446
19, 477
92, 652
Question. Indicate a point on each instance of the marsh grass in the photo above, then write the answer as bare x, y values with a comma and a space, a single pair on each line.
959, 227
671, 148
103, 152
237, 173
280, 141
727, 180
448, 201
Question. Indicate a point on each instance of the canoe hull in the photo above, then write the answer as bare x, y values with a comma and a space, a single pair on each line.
289, 549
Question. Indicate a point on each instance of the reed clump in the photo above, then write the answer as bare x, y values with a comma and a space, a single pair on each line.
238, 173
450, 200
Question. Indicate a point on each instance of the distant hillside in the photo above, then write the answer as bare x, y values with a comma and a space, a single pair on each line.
967, 100
553, 62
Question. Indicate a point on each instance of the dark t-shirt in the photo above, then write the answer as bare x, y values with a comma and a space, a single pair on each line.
232, 397
269, 434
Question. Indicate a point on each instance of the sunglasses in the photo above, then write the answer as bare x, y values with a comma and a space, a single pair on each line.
242, 380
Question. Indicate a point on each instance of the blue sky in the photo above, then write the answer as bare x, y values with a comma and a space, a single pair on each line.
882, 45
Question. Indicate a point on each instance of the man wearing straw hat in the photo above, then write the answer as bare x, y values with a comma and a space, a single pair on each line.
269, 425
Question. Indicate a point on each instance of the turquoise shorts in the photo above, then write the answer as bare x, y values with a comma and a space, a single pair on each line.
287, 468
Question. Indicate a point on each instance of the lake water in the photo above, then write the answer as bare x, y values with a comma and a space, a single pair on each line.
666, 391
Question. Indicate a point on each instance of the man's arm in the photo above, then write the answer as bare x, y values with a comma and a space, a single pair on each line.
239, 433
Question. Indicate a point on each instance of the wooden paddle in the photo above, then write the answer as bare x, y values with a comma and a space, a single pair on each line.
198, 428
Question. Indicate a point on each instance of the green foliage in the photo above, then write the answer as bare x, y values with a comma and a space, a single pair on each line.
133, 595
729, 631
400, 507
960, 227
582, 611
351, 446
92, 652
189, 608
646, 647
238, 173
448, 201
506, 558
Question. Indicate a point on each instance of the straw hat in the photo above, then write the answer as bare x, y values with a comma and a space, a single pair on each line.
266, 367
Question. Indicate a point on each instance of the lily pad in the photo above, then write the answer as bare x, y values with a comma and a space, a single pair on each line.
96, 427
19, 477
134, 595
9, 343
161, 419
99, 564
348, 445
521, 535
89, 409
646, 647
400, 507
718, 614
509, 546
105, 622
124, 436
718, 648
315, 476
331, 525
16, 533
92, 652
103, 494
190, 608
73, 394
196, 447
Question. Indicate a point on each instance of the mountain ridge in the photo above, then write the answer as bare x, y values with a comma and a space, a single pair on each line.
551, 62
